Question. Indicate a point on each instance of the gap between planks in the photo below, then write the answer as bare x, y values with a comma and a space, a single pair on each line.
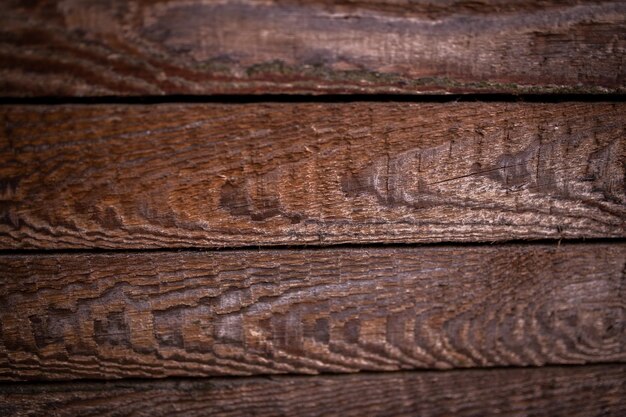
315, 98
314, 247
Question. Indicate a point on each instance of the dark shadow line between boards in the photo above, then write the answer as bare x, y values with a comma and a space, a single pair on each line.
318, 98
555, 243
19, 385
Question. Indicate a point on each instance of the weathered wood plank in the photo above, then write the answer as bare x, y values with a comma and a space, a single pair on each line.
69, 47
552, 391
325, 310
213, 175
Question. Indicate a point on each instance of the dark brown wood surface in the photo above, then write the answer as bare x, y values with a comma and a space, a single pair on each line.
153, 191
240, 312
215, 175
138, 47
583, 391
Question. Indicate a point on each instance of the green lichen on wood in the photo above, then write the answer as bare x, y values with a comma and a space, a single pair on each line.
309, 76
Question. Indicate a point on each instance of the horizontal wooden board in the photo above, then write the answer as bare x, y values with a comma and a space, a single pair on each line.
215, 175
553, 391
245, 312
137, 47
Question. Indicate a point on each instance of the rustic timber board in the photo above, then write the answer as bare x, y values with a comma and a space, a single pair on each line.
244, 312
226, 175
136, 47
550, 391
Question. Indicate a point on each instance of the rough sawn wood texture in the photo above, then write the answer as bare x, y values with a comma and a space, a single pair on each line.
580, 391
215, 175
137, 47
307, 311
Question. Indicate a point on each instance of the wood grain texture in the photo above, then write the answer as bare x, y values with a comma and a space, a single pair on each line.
308, 311
138, 47
215, 175
584, 391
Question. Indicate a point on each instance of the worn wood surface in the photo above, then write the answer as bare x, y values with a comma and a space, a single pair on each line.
214, 175
307, 311
137, 47
583, 391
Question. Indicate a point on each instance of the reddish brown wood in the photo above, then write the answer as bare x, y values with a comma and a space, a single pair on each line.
212, 175
137, 47
307, 311
552, 391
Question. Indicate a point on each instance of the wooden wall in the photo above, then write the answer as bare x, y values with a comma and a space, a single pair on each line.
327, 207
